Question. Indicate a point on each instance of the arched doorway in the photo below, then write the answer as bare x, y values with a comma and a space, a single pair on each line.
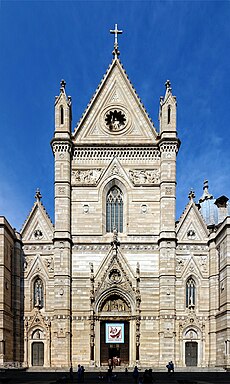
191, 353
38, 354
192, 347
116, 331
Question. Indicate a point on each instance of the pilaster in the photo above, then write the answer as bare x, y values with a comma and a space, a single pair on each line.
62, 150
169, 145
213, 296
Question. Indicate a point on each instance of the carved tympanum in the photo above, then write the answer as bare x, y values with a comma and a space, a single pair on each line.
115, 304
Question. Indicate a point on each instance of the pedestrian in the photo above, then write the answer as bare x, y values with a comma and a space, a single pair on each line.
82, 373
79, 373
171, 366
109, 374
135, 374
71, 373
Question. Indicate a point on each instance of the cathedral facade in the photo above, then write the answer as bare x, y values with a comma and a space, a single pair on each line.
116, 277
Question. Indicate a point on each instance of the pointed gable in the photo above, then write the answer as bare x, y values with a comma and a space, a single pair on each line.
115, 113
38, 226
191, 226
114, 273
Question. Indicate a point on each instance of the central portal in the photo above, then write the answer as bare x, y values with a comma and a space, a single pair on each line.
114, 336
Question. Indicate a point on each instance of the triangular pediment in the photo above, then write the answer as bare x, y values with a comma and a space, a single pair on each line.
192, 267
38, 226
114, 272
115, 171
37, 320
191, 226
37, 265
115, 113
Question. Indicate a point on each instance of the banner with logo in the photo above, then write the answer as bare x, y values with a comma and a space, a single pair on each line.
114, 333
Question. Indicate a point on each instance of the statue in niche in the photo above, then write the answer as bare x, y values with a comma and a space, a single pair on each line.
38, 293
37, 335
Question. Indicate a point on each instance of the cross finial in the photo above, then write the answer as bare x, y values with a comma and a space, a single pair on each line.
63, 84
116, 32
191, 194
168, 85
38, 195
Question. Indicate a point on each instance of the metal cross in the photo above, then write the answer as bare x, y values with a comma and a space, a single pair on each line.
116, 32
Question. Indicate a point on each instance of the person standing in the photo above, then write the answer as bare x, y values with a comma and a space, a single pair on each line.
109, 374
135, 374
171, 366
79, 373
71, 373
82, 373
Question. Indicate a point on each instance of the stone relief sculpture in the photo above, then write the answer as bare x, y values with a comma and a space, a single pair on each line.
117, 305
179, 264
86, 176
144, 176
49, 264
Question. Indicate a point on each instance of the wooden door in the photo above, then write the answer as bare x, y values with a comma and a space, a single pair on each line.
38, 354
191, 349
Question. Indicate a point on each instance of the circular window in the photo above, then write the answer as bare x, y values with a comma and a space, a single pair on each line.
191, 234
115, 120
38, 234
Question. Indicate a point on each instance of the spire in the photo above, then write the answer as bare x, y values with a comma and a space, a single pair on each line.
191, 195
116, 32
206, 195
167, 113
38, 195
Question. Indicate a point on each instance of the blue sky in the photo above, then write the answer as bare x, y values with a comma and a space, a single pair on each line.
42, 42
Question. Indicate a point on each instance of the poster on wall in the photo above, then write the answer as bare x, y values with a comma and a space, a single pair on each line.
114, 333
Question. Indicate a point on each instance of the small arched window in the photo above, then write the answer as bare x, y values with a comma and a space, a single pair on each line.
169, 114
190, 293
62, 114
38, 293
114, 210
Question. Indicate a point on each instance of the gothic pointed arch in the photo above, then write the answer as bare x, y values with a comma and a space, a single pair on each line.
114, 202
191, 292
114, 300
114, 209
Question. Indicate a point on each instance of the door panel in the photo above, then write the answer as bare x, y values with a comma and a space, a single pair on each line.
191, 349
38, 354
